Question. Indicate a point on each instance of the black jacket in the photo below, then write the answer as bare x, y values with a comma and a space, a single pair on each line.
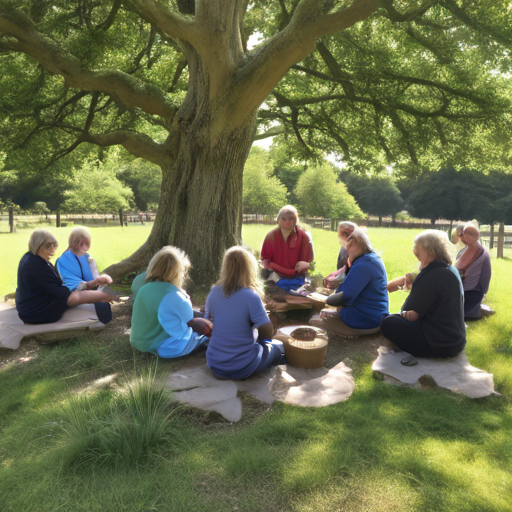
438, 298
39, 285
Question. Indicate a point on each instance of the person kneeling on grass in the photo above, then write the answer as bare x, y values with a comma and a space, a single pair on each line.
431, 323
235, 306
163, 319
41, 297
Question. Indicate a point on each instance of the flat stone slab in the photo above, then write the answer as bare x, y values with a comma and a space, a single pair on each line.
193, 383
13, 330
454, 373
312, 387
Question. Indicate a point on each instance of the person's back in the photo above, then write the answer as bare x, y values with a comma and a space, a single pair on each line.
146, 332
232, 346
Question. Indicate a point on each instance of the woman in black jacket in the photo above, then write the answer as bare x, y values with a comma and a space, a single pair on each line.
431, 323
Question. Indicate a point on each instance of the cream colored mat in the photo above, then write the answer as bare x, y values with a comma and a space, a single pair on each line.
13, 330
454, 373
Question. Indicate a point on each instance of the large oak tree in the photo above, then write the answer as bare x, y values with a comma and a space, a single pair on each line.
175, 83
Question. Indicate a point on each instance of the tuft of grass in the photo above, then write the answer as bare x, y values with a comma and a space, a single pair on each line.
125, 433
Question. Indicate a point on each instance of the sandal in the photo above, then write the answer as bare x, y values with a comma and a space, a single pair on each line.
409, 361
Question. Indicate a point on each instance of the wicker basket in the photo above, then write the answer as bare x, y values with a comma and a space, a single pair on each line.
305, 347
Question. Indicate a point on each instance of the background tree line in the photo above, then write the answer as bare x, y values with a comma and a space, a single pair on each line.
272, 178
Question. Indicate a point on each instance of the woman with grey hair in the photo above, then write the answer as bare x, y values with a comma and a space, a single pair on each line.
362, 295
431, 323
41, 296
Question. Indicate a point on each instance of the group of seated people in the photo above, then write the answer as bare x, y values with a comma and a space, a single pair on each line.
431, 322
44, 292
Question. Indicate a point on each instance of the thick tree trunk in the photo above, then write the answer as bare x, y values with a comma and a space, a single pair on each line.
380, 221
491, 238
201, 198
501, 240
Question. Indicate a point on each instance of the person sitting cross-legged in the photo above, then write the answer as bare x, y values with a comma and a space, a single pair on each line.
431, 323
241, 340
163, 318
287, 250
362, 295
474, 265
79, 272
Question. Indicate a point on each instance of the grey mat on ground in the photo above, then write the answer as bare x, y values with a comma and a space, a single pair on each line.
193, 383
312, 388
455, 373
13, 330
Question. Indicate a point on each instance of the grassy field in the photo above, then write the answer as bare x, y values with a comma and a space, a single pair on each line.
71, 441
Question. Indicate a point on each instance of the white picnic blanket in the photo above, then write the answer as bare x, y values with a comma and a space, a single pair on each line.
13, 330
454, 373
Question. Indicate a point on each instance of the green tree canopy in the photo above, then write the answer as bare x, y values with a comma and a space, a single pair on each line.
417, 83
145, 180
376, 195
263, 192
96, 189
320, 194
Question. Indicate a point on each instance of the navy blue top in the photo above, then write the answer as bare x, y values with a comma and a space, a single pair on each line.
365, 296
39, 285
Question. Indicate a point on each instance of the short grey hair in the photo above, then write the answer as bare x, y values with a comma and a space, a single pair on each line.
436, 244
78, 233
346, 227
362, 240
38, 238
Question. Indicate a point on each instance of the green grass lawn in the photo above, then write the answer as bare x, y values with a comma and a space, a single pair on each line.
70, 446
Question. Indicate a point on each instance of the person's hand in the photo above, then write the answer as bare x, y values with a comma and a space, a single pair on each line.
302, 267
410, 316
109, 298
409, 279
266, 264
103, 280
201, 326
396, 284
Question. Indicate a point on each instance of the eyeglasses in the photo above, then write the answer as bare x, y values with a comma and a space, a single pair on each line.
49, 245
287, 219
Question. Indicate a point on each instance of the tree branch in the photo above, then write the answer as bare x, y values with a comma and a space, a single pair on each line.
459, 13
343, 19
411, 14
111, 17
170, 22
138, 144
129, 90
271, 132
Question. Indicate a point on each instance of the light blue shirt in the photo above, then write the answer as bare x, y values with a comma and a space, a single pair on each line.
74, 270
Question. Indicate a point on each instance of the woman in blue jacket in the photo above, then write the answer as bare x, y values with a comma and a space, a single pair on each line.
363, 296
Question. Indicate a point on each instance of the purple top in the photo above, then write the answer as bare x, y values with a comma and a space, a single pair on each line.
478, 274
232, 348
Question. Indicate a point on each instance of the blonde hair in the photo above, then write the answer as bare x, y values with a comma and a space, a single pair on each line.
38, 238
77, 234
239, 270
170, 265
346, 228
436, 244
